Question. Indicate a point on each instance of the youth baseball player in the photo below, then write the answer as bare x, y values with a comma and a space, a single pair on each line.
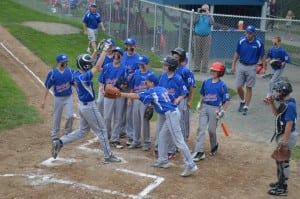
61, 79
176, 91
189, 80
159, 98
215, 99
113, 108
89, 114
141, 124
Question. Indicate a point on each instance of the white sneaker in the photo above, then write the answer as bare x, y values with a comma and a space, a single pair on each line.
188, 171
88, 50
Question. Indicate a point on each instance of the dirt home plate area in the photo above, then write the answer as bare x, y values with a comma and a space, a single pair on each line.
242, 168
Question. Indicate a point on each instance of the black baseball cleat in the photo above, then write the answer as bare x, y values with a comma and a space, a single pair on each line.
214, 150
56, 147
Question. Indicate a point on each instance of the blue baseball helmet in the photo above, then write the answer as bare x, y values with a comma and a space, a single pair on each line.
111, 41
143, 59
250, 29
130, 41
61, 58
118, 49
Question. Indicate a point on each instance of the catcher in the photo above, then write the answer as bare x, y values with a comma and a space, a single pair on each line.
285, 135
277, 58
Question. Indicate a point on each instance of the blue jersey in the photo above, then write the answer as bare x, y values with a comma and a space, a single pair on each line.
91, 20
131, 65
106, 61
112, 74
290, 114
138, 81
158, 96
84, 86
278, 53
250, 52
174, 85
214, 93
187, 76
61, 81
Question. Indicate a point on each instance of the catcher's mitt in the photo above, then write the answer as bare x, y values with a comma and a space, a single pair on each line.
149, 112
275, 63
281, 153
112, 92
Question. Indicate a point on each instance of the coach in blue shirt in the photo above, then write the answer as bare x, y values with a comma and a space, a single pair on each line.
91, 21
248, 52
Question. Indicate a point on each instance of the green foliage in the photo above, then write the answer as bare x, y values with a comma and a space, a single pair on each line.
15, 110
296, 153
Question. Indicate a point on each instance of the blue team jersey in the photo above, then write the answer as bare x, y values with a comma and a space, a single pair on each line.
214, 93
290, 114
107, 60
138, 81
158, 96
112, 74
174, 85
187, 76
250, 52
91, 20
278, 53
61, 81
131, 65
84, 86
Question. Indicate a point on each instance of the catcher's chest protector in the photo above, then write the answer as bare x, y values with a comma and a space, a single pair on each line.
279, 123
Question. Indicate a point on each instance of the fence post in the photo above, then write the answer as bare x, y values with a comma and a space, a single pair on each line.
154, 27
190, 39
128, 12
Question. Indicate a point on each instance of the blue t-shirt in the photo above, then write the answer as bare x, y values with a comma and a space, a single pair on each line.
214, 93
202, 26
290, 114
61, 81
158, 96
250, 52
84, 86
91, 20
278, 53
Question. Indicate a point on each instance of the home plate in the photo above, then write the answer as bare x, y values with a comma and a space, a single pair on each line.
51, 162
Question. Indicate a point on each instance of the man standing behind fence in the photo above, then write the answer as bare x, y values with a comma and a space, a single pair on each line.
202, 37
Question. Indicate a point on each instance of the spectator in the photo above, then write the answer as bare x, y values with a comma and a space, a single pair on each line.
289, 16
272, 14
249, 50
91, 21
202, 37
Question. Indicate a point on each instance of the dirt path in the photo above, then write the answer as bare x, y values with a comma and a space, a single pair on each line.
242, 169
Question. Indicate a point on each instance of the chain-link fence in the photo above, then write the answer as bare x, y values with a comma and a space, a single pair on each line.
159, 29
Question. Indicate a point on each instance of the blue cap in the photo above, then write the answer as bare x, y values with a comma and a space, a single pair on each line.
60, 58
250, 29
143, 59
93, 4
118, 49
111, 41
152, 78
130, 41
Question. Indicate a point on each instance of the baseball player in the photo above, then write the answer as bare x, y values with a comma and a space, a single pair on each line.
129, 59
189, 80
89, 114
159, 98
276, 52
61, 79
177, 91
285, 132
249, 50
215, 99
112, 73
141, 124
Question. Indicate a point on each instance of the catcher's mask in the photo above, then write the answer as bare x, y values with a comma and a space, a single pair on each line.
84, 62
171, 62
282, 89
218, 67
181, 52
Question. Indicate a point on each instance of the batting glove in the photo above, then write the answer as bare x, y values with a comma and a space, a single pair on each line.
220, 114
101, 44
106, 45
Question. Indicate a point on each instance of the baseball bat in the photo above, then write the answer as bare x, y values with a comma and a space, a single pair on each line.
225, 129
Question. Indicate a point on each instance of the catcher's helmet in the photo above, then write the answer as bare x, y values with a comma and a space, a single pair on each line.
84, 62
171, 62
218, 67
282, 89
61, 58
181, 52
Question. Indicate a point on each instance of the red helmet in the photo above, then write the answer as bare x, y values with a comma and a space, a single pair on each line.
218, 67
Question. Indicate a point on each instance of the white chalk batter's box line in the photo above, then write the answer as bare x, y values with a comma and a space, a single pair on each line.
37, 179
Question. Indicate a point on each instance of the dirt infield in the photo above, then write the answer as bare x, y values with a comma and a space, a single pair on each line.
242, 168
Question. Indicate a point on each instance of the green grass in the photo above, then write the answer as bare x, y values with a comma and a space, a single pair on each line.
14, 107
296, 153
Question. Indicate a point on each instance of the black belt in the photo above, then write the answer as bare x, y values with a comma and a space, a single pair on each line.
86, 103
246, 64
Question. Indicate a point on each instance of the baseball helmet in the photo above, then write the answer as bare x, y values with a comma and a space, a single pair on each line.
130, 41
84, 62
250, 29
110, 40
282, 89
218, 67
171, 62
118, 49
61, 58
181, 52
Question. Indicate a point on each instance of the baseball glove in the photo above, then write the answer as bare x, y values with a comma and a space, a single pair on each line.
275, 63
149, 112
281, 153
111, 92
